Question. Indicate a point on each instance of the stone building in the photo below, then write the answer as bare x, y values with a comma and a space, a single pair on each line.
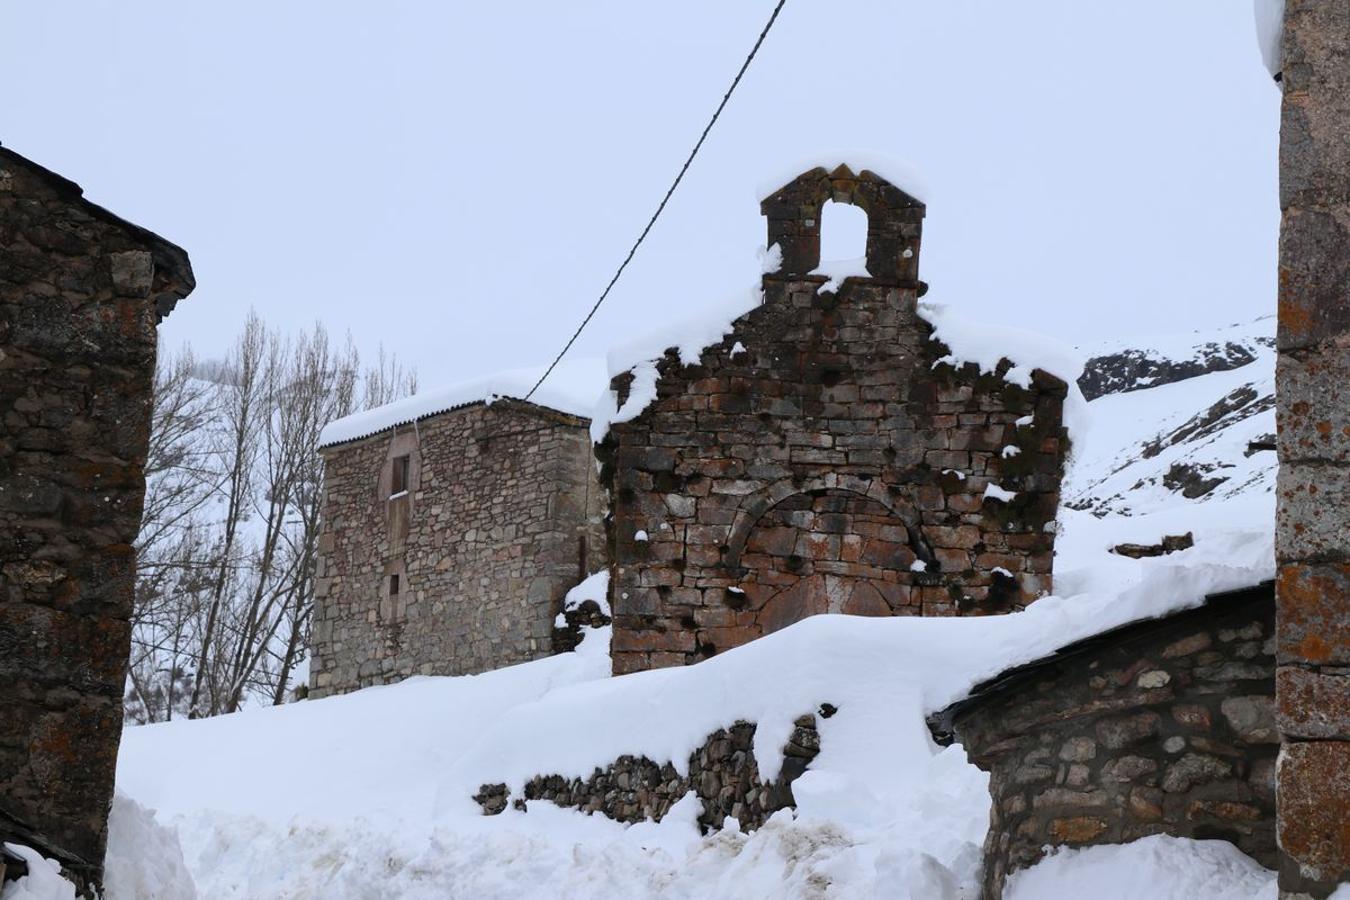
451, 533
1312, 538
824, 458
81, 292
1164, 726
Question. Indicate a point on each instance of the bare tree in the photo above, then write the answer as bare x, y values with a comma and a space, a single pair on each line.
230, 538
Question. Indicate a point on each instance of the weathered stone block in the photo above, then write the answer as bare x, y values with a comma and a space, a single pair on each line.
1313, 606
1313, 419
1313, 705
1314, 794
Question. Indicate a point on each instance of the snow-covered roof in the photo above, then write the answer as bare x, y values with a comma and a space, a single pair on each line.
572, 388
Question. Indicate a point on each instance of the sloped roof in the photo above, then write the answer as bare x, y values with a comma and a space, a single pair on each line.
169, 257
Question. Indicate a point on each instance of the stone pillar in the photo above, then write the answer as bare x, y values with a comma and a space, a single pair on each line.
1312, 542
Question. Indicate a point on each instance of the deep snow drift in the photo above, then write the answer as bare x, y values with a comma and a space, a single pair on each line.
368, 794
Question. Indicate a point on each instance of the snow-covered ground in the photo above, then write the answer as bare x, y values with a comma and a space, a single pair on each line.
368, 795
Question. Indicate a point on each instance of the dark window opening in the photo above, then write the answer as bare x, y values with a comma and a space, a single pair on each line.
393, 585
399, 482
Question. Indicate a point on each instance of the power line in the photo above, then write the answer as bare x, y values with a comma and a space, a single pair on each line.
664, 200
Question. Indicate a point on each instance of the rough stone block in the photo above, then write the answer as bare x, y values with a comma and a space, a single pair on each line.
1313, 419
1313, 613
1309, 519
1311, 704
1314, 794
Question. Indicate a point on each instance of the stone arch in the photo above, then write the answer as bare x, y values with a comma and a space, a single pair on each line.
828, 550
894, 222
753, 507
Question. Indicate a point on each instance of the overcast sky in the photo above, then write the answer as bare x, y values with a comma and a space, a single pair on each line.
458, 181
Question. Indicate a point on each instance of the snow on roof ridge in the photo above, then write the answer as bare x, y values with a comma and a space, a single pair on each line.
571, 389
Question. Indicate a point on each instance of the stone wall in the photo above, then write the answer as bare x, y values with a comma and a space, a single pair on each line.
821, 458
1165, 727
80, 294
1312, 541
500, 517
722, 773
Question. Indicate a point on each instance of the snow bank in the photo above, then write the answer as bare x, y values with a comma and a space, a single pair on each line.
144, 860
571, 388
986, 345
1159, 867
43, 881
369, 794
898, 172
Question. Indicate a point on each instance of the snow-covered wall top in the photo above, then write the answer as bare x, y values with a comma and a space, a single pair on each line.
571, 388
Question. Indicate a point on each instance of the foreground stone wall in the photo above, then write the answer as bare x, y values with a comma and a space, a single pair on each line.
722, 773
822, 458
500, 517
80, 294
1312, 541
1160, 728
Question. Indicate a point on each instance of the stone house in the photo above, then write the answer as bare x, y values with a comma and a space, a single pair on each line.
451, 532
1164, 726
81, 293
823, 457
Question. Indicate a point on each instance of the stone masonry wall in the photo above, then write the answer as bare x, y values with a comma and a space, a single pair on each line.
722, 773
1163, 728
80, 294
1312, 541
485, 543
821, 459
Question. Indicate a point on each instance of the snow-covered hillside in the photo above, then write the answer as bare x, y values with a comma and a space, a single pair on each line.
369, 794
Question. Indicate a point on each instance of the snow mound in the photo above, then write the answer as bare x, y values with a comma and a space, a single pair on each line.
1159, 867
144, 860
571, 388
43, 881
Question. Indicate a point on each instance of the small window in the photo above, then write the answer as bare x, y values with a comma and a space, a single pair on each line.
393, 585
399, 482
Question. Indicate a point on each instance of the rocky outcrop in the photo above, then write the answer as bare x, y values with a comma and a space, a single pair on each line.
1133, 369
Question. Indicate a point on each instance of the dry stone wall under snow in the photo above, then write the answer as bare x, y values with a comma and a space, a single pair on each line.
723, 774
81, 292
448, 544
823, 457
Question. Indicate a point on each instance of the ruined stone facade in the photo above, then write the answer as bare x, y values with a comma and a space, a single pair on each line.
448, 543
722, 773
1161, 727
81, 292
1312, 541
823, 458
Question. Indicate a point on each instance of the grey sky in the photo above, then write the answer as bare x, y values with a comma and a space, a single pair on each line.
459, 180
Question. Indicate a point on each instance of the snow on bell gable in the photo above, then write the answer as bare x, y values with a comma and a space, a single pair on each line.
829, 453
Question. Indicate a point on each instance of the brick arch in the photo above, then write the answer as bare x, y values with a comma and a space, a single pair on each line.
754, 506
828, 550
